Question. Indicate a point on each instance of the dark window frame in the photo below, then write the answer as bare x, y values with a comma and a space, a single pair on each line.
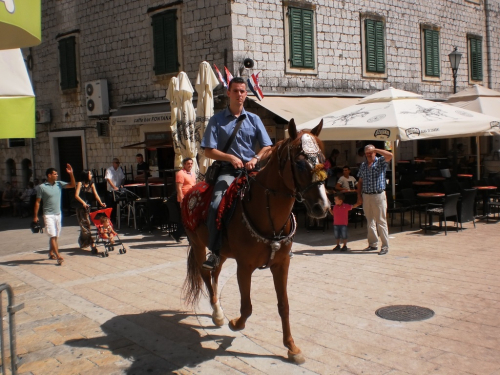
68, 68
476, 58
302, 41
165, 42
432, 53
375, 53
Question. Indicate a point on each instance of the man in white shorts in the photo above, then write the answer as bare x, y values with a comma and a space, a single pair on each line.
50, 194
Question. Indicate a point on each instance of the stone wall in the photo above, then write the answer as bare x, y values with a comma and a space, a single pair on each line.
114, 43
258, 32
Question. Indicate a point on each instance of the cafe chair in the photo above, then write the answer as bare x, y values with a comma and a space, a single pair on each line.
466, 206
494, 209
399, 206
443, 211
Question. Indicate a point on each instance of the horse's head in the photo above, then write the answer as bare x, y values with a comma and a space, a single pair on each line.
301, 163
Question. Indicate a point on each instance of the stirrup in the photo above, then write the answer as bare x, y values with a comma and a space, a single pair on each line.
212, 261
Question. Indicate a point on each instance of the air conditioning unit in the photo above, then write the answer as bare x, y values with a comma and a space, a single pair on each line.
42, 116
96, 98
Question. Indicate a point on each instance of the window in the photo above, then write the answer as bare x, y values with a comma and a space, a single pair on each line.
432, 60
17, 142
67, 63
374, 46
301, 29
165, 43
476, 59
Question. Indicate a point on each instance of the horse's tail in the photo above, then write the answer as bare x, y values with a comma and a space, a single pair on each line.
193, 284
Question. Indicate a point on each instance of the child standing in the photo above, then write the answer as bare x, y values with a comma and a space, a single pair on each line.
340, 214
106, 230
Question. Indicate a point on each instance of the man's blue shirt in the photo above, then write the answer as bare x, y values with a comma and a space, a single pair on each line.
252, 130
373, 177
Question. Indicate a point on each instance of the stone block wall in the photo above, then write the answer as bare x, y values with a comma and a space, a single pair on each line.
259, 32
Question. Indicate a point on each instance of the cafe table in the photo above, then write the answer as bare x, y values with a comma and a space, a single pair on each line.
462, 175
485, 191
435, 179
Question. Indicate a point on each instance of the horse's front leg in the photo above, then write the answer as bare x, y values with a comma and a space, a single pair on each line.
244, 282
280, 276
217, 313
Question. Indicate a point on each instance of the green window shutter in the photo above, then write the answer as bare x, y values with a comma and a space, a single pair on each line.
375, 46
67, 63
301, 38
476, 57
432, 58
165, 43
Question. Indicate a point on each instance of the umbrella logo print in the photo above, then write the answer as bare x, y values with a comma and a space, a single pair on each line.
382, 134
462, 113
412, 132
349, 116
430, 114
495, 124
9, 5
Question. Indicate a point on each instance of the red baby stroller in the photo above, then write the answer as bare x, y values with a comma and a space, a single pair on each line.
100, 238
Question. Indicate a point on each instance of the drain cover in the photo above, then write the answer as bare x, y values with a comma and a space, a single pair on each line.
404, 313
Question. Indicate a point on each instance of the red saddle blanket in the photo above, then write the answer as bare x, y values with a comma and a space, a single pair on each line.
196, 203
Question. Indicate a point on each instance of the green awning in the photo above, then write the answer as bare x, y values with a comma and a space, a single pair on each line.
20, 23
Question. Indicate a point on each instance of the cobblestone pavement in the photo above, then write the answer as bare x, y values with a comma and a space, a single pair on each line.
125, 315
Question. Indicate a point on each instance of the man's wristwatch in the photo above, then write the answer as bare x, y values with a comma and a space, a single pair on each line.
257, 157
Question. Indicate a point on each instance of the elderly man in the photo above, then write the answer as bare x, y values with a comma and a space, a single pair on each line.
371, 193
114, 177
241, 153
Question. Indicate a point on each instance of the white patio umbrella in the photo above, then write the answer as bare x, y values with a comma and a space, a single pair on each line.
17, 100
206, 81
480, 99
396, 115
184, 134
173, 89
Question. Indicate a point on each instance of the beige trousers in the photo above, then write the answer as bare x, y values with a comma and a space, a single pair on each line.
375, 209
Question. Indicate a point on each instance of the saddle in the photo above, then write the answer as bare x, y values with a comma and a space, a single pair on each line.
196, 203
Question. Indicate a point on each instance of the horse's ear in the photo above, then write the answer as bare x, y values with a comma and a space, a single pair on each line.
288, 175
317, 129
292, 129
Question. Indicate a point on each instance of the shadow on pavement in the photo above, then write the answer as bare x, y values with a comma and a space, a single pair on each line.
312, 252
158, 342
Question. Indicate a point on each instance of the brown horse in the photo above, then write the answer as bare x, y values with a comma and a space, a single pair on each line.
261, 230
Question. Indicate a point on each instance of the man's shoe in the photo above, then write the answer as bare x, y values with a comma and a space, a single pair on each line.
383, 250
370, 248
212, 262
336, 248
345, 248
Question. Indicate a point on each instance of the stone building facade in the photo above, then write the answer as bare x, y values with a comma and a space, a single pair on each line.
114, 41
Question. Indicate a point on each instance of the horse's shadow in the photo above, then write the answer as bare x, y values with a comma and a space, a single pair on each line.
161, 342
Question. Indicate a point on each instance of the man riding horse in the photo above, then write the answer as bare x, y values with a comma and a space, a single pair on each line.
241, 153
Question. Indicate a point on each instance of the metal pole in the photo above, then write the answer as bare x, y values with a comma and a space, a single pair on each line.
393, 144
11, 309
478, 159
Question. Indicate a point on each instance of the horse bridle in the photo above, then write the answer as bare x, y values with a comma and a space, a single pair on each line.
312, 155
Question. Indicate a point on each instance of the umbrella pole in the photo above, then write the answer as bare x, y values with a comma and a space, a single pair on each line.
478, 159
393, 171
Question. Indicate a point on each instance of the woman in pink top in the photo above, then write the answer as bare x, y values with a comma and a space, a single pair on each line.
340, 214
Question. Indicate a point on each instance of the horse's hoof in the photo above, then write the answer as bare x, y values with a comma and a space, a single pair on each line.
233, 327
298, 358
218, 322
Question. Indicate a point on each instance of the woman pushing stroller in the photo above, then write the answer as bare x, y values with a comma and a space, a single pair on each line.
85, 191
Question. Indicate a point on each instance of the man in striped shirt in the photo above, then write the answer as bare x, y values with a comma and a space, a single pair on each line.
371, 194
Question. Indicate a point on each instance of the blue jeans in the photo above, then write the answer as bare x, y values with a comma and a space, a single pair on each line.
340, 231
228, 173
